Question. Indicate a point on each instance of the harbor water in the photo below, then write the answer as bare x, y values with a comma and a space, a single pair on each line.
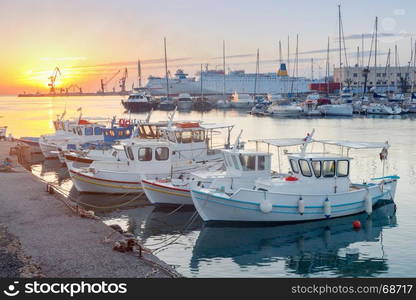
383, 247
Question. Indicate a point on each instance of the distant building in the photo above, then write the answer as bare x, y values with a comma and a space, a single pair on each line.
390, 78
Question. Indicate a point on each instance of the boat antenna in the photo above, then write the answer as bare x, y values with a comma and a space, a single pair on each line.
170, 121
237, 140
308, 139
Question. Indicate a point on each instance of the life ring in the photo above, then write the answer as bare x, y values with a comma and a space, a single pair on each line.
291, 178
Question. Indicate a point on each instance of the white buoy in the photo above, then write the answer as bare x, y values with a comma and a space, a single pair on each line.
368, 203
265, 206
301, 206
327, 208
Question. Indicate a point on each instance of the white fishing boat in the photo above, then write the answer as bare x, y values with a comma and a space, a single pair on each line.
309, 108
317, 187
183, 148
242, 101
184, 101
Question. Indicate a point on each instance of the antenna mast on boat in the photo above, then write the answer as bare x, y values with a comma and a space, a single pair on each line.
166, 69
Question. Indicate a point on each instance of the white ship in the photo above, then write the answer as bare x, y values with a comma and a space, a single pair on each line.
235, 81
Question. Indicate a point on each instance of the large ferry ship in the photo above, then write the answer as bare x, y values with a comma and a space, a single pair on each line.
235, 81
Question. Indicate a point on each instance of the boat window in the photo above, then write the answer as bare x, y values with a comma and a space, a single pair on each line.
121, 133
111, 133
248, 162
145, 154
106, 132
198, 136
79, 130
328, 168
294, 166
236, 166
74, 130
98, 131
89, 131
130, 153
261, 162
316, 167
186, 137
162, 153
179, 137
128, 132
343, 168
171, 137
304, 168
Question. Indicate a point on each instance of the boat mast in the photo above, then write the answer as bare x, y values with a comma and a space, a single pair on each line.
375, 57
202, 90
223, 66
413, 72
312, 68
255, 78
340, 47
395, 67
166, 69
288, 55
139, 72
327, 70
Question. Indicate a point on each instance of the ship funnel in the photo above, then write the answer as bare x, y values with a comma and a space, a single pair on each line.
282, 70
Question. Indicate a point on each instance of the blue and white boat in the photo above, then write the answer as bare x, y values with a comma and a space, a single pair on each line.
317, 187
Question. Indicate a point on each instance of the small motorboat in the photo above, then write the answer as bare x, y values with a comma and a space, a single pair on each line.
139, 101
184, 101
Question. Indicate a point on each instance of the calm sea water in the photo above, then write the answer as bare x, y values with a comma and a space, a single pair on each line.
384, 247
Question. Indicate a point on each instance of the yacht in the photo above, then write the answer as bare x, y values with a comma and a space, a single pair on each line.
184, 101
242, 101
140, 100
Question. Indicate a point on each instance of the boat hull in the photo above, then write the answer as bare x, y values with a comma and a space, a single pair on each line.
160, 193
136, 106
48, 150
246, 205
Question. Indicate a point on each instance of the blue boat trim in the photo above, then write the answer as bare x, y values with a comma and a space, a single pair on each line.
387, 177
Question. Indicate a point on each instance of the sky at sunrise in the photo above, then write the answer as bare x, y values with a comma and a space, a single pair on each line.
90, 39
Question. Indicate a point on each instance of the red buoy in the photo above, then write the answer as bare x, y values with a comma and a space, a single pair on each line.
356, 225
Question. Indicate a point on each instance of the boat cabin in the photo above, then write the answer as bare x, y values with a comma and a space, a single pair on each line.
251, 163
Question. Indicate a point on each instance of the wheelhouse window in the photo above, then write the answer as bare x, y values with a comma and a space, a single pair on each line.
304, 168
79, 130
120, 133
316, 168
178, 137
89, 131
343, 168
261, 163
130, 153
248, 162
111, 133
328, 168
186, 137
162, 153
294, 166
198, 136
98, 131
145, 154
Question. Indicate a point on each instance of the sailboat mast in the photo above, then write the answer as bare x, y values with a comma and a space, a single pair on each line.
375, 55
312, 68
413, 71
202, 90
288, 55
257, 72
166, 68
139, 72
327, 70
223, 66
340, 47
362, 49
280, 53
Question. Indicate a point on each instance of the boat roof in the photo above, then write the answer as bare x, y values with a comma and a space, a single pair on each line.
281, 142
318, 156
206, 126
355, 145
246, 152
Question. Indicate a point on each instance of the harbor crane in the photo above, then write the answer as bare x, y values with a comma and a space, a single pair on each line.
122, 81
52, 80
73, 87
105, 82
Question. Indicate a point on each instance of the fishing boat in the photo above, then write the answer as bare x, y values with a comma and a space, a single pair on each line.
184, 147
166, 104
140, 100
317, 187
284, 109
32, 142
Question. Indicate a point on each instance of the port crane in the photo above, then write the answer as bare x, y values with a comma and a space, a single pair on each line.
105, 82
122, 81
73, 87
52, 80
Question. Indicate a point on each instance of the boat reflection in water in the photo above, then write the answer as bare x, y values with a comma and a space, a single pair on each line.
306, 248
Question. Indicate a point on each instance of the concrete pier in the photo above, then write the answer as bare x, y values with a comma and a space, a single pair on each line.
40, 236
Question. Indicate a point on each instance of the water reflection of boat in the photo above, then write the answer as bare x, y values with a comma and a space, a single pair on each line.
306, 248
